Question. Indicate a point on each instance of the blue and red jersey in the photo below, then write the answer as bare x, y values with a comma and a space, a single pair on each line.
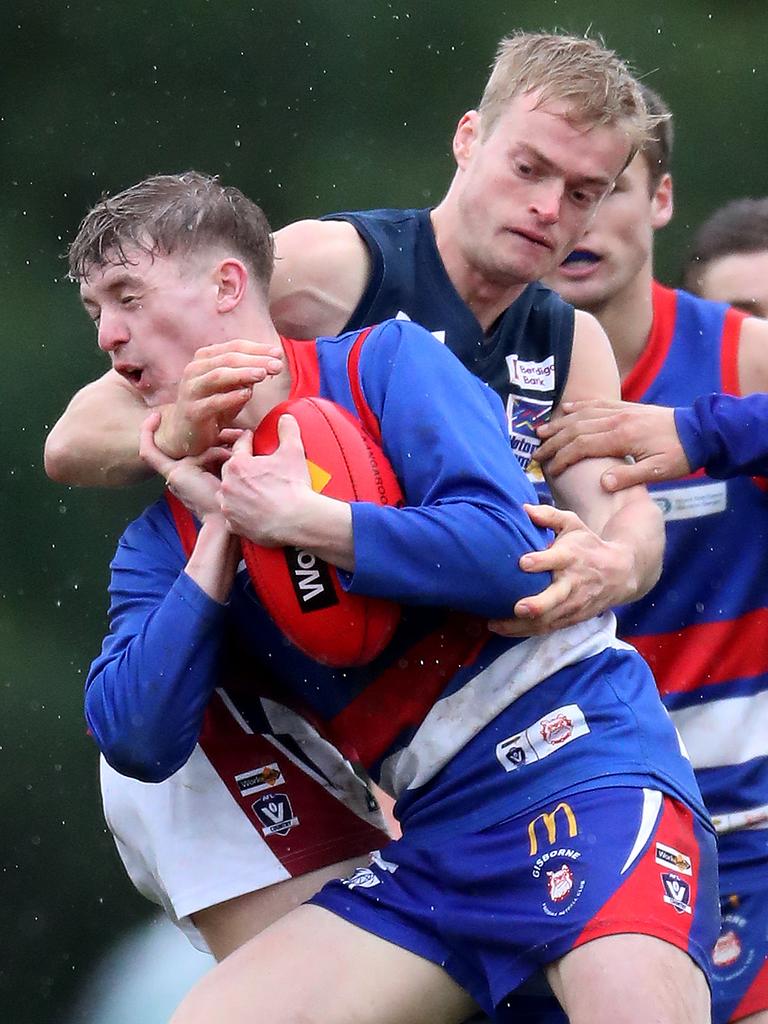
704, 627
448, 716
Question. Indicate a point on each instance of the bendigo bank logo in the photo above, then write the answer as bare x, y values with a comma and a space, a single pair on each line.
547, 824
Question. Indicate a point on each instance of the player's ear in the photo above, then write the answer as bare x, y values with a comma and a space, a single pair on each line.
662, 203
231, 278
466, 134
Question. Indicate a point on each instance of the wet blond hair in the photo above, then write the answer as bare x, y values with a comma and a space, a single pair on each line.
596, 84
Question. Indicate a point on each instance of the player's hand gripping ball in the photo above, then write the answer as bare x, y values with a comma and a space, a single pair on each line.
300, 591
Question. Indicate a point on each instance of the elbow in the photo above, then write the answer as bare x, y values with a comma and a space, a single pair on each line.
135, 765
58, 459
506, 584
136, 750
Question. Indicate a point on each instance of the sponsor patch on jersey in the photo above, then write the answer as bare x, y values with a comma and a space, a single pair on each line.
530, 375
275, 813
691, 502
552, 732
668, 857
677, 892
524, 415
259, 779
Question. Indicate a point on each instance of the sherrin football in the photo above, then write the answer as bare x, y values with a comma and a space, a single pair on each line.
303, 594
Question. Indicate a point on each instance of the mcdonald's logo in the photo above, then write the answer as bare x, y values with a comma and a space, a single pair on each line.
550, 825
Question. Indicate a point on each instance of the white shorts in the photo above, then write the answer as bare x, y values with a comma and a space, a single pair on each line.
247, 810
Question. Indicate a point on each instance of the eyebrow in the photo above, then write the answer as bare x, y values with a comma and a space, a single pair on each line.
122, 280
602, 181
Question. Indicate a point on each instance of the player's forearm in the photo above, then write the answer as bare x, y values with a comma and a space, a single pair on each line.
95, 443
461, 554
146, 695
636, 533
214, 559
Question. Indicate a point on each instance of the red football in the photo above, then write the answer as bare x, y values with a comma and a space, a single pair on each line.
300, 591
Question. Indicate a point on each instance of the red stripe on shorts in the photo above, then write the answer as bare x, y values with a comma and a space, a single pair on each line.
642, 905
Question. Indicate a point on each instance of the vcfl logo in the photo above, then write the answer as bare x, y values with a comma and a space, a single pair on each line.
311, 579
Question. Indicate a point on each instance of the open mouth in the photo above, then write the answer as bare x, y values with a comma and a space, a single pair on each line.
132, 374
580, 258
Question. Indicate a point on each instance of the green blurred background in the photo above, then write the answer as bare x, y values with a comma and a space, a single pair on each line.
309, 107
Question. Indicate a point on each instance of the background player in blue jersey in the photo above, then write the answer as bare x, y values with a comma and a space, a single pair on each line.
322, 280
703, 627
550, 819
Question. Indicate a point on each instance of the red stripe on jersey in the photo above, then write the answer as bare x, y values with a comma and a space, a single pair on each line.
303, 367
643, 904
708, 653
364, 411
755, 998
652, 358
272, 791
185, 523
398, 698
729, 352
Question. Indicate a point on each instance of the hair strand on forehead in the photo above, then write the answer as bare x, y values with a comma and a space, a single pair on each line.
169, 214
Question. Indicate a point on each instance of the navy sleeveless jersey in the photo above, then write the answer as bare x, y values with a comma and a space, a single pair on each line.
526, 355
704, 627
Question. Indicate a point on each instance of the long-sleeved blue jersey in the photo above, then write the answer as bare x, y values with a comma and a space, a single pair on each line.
443, 683
726, 435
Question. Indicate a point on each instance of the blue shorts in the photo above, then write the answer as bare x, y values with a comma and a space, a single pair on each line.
493, 907
740, 959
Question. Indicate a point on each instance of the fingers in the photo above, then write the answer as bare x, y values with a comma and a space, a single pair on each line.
649, 470
289, 434
580, 412
551, 518
148, 450
241, 346
243, 444
577, 440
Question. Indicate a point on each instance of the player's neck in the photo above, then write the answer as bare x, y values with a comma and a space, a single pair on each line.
487, 299
627, 318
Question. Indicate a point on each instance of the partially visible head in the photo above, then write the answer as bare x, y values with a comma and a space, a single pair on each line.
614, 258
729, 257
178, 215
167, 266
593, 85
559, 120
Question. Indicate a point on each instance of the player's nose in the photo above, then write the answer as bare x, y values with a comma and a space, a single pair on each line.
547, 199
112, 331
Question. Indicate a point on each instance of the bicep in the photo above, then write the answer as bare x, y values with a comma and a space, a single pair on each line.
593, 374
321, 271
